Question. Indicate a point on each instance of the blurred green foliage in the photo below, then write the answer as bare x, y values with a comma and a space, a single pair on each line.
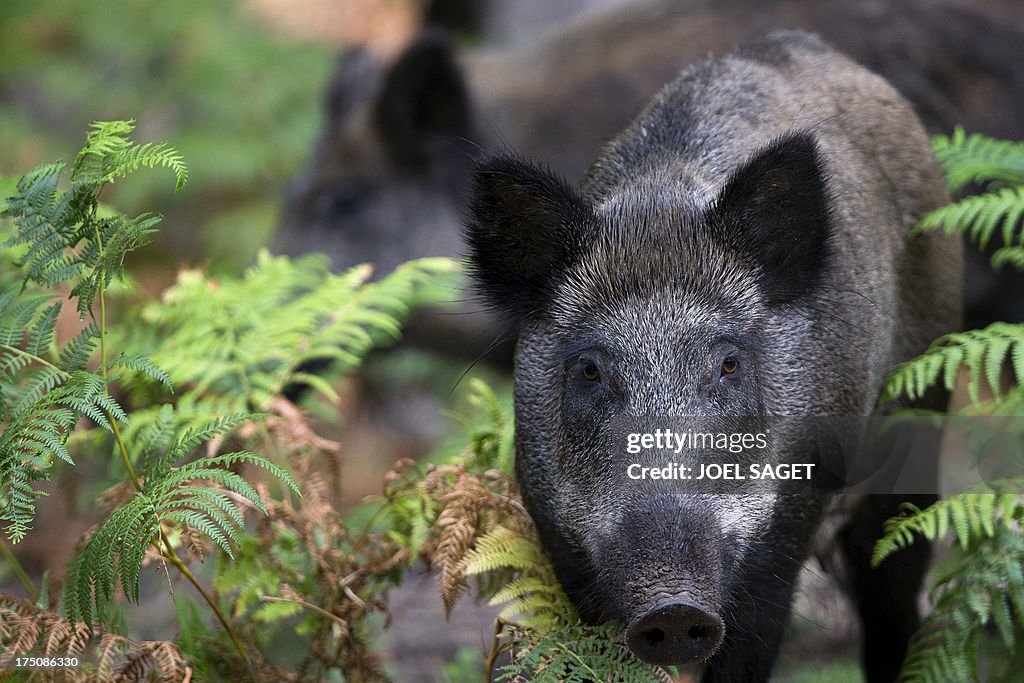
241, 103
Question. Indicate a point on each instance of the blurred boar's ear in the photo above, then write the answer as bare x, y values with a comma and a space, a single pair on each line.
775, 211
525, 227
423, 98
352, 81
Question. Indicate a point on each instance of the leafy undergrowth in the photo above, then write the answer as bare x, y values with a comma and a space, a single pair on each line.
975, 626
182, 401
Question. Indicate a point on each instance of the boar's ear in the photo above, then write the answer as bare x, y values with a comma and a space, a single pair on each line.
525, 226
775, 212
355, 72
423, 98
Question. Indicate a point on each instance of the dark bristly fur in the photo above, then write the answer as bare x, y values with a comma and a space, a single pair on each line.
755, 214
540, 227
424, 95
780, 202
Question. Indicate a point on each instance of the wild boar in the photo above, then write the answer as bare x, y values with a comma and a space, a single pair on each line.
741, 249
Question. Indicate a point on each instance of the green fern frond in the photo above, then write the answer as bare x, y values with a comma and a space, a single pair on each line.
492, 439
170, 496
1012, 256
212, 501
533, 594
196, 472
219, 426
517, 588
980, 351
40, 213
36, 383
244, 457
502, 549
208, 521
250, 337
981, 216
41, 333
110, 554
141, 365
7, 297
159, 434
37, 423
580, 654
971, 514
108, 154
76, 353
16, 313
106, 242
975, 590
66, 240
59, 241
18, 504
534, 603
975, 158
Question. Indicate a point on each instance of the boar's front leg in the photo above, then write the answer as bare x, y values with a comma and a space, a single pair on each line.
885, 596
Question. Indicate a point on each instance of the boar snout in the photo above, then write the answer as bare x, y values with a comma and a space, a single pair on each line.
674, 578
675, 632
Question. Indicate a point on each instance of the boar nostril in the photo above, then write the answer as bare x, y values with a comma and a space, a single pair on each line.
654, 636
698, 632
676, 632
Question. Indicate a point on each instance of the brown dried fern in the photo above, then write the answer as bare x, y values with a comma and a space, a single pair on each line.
25, 629
470, 505
457, 526
137, 660
349, 575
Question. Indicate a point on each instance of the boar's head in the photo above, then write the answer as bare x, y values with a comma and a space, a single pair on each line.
390, 164
653, 299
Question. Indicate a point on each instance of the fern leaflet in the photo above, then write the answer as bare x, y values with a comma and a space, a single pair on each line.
59, 243
978, 159
983, 352
170, 496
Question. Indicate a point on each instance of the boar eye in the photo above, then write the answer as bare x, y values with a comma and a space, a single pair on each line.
589, 370
344, 203
341, 202
730, 365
